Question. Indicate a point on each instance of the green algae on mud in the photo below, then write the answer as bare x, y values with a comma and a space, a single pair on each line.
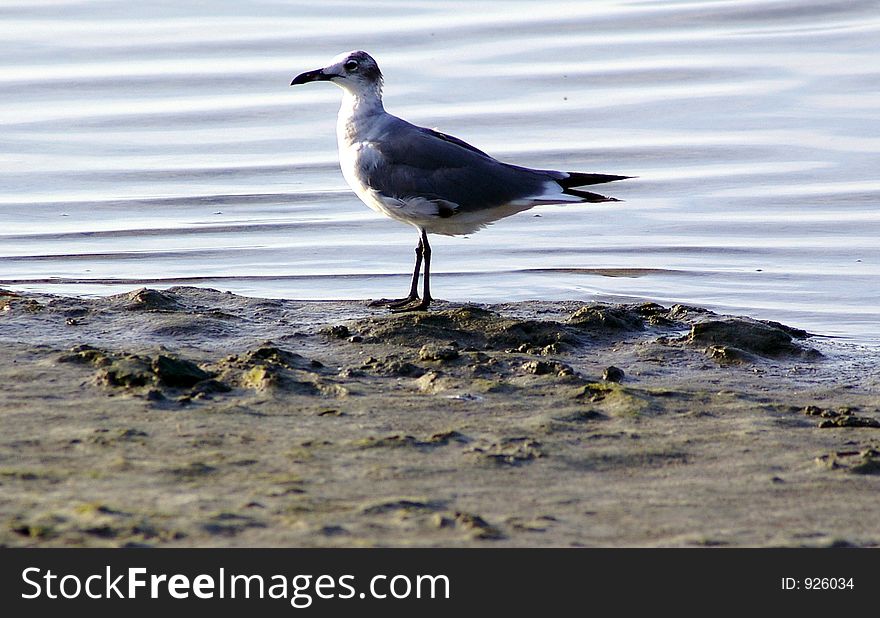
190, 417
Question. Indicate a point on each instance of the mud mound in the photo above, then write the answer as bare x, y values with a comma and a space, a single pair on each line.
603, 319
739, 340
146, 299
465, 327
477, 328
271, 369
606, 318
133, 371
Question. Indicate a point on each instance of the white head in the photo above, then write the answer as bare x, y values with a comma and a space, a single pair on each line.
354, 71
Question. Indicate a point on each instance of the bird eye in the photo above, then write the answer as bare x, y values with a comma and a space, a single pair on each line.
351, 65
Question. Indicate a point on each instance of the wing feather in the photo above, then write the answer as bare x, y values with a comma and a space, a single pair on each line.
424, 163
413, 162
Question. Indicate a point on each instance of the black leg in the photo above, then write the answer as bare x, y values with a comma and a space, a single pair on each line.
423, 304
426, 254
414, 286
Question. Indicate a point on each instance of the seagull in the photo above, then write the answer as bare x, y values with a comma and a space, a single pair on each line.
433, 181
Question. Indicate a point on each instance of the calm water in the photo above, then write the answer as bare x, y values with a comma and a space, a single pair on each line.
156, 143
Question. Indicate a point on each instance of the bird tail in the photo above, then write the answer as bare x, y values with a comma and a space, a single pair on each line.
578, 179
589, 196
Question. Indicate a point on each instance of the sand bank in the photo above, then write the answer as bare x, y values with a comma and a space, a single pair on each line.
192, 417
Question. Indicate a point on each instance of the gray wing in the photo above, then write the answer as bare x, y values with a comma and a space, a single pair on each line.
419, 162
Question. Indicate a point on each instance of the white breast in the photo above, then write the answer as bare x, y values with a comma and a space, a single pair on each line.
353, 157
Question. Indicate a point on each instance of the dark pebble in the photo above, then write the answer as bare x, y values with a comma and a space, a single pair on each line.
613, 374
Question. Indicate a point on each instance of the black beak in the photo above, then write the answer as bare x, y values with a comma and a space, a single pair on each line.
317, 75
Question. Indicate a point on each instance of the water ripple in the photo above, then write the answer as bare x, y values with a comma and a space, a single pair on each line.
154, 144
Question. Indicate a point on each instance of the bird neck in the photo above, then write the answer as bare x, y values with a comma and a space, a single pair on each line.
359, 105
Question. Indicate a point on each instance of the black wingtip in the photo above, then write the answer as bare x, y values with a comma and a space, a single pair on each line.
580, 179
589, 196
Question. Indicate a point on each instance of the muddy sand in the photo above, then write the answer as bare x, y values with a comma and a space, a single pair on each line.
192, 417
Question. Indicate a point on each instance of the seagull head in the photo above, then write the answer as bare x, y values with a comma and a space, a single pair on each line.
354, 71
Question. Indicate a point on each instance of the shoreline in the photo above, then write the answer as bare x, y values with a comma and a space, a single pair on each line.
192, 417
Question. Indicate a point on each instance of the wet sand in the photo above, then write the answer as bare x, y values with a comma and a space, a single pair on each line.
192, 417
